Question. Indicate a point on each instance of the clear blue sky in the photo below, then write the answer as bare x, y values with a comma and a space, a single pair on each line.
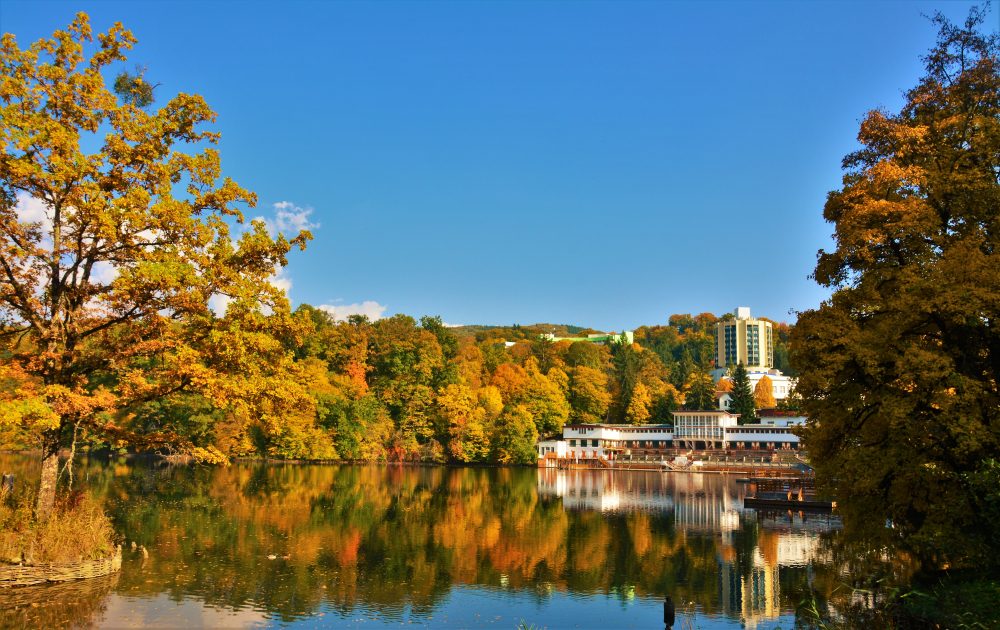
597, 163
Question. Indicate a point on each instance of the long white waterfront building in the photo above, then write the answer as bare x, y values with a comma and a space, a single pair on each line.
692, 431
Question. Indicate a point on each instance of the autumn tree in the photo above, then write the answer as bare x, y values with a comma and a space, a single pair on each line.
133, 87
466, 423
792, 401
763, 394
113, 239
637, 411
546, 401
514, 436
588, 395
585, 353
899, 368
700, 392
407, 363
742, 401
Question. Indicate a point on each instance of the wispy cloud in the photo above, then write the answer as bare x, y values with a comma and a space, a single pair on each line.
289, 219
370, 308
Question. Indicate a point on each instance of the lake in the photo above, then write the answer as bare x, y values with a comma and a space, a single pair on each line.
253, 545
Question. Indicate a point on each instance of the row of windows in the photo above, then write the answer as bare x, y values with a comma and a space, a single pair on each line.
746, 430
626, 443
625, 432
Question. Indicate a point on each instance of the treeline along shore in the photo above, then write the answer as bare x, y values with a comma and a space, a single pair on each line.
400, 390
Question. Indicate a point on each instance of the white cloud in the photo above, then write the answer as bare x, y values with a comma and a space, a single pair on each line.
281, 279
103, 272
32, 210
219, 303
289, 219
372, 309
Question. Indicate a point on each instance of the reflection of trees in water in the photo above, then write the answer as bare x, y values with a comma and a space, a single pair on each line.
57, 605
852, 587
389, 537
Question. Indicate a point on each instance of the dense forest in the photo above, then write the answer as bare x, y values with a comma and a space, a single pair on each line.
398, 389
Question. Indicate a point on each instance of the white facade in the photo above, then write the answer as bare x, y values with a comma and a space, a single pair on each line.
702, 429
592, 441
781, 385
549, 450
692, 430
699, 430
760, 437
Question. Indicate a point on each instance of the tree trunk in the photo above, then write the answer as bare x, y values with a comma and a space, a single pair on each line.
50, 475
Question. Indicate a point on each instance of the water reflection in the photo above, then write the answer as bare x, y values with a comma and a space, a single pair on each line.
377, 545
749, 586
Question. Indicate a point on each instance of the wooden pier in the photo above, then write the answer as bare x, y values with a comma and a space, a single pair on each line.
785, 493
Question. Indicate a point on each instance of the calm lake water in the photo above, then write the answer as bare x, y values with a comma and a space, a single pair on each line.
389, 546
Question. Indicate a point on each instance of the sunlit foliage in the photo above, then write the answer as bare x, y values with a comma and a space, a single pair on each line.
115, 233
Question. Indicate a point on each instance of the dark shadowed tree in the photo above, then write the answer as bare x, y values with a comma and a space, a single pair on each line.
742, 396
899, 368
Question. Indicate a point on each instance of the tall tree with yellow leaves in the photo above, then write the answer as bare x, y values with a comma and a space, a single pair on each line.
637, 411
109, 257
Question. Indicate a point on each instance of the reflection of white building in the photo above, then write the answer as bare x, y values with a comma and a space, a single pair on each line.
753, 598
790, 550
705, 505
605, 490
700, 502
755, 594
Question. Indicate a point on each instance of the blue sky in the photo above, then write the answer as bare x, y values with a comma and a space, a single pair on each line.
596, 163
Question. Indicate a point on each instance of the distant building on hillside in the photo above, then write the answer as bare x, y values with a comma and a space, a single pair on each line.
781, 384
744, 340
604, 338
751, 342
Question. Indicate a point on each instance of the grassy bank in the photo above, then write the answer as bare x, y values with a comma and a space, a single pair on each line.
78, 529
967, 599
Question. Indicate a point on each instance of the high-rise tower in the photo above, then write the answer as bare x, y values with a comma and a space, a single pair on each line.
744, 340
